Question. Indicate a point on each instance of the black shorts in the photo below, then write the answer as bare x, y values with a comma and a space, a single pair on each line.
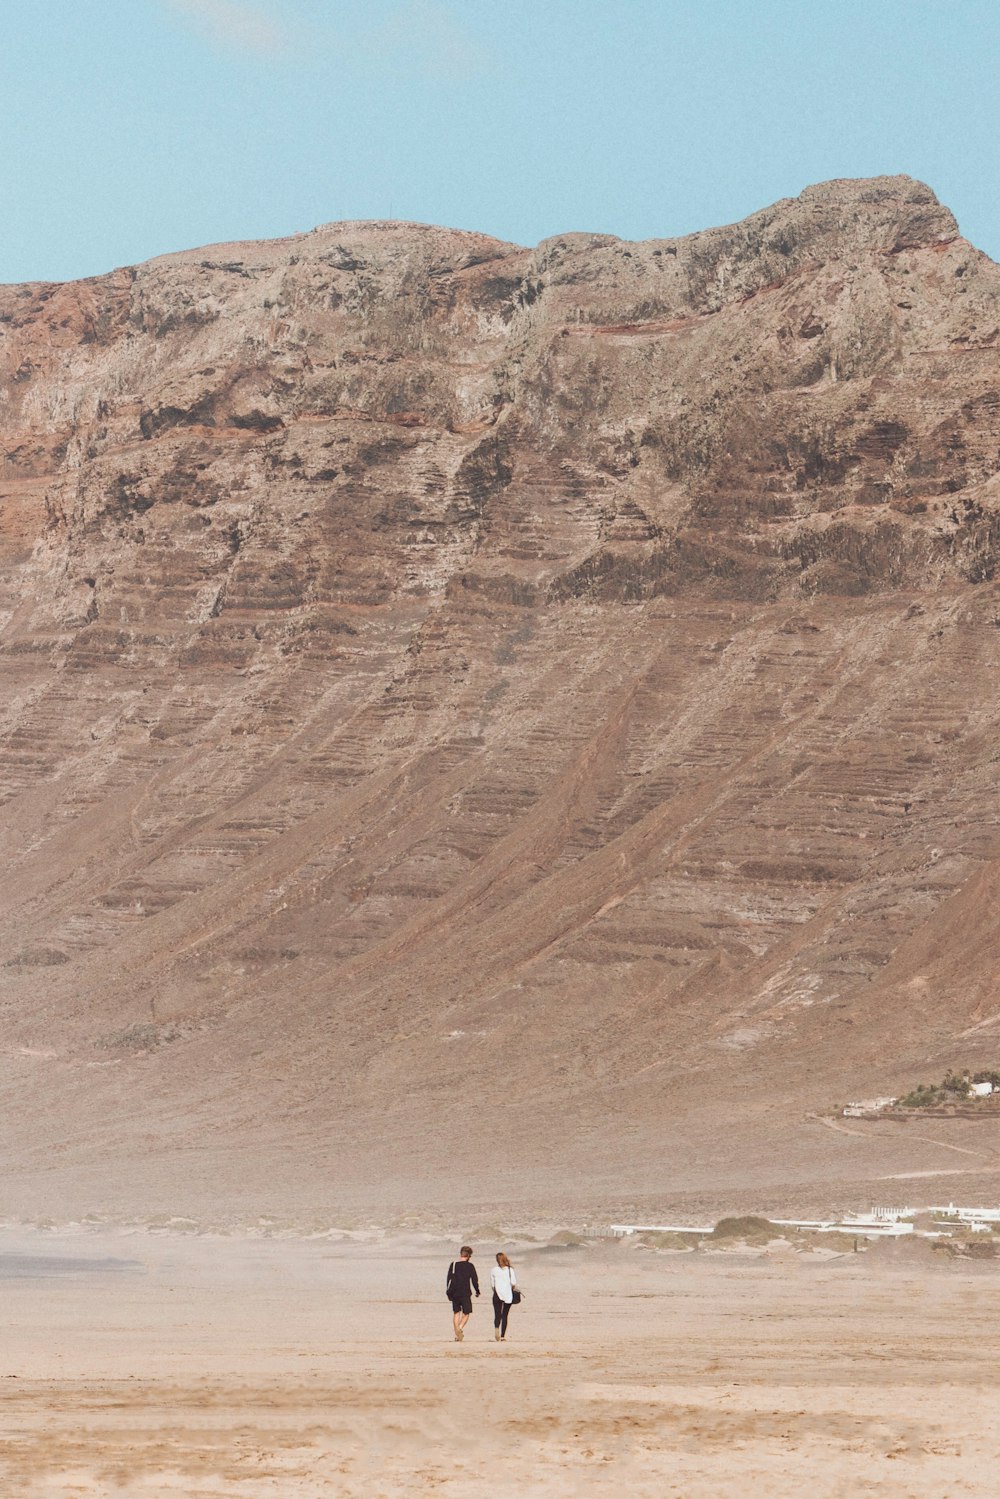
462, 1304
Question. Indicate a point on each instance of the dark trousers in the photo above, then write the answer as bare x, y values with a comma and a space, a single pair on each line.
501, 1311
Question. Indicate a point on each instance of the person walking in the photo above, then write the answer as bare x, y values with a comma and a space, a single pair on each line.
504, 1283
460, 1283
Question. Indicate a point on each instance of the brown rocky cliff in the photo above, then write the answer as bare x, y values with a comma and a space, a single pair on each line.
435, 669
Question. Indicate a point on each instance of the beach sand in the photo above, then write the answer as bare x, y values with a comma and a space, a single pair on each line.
158, 1365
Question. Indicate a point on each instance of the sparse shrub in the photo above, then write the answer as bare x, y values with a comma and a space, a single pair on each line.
977, 1248
750, 1229
143, 1036
670, 1241
132, 1038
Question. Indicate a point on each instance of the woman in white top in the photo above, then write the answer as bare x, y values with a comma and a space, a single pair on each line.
503, 1281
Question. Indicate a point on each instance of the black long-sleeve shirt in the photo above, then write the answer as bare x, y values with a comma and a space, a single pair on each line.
460, 1274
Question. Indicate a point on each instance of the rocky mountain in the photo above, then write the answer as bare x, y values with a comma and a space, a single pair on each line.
484, 724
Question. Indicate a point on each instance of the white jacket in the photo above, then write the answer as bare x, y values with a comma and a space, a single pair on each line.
503, 1282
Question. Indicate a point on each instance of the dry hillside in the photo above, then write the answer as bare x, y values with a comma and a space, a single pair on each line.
483, 723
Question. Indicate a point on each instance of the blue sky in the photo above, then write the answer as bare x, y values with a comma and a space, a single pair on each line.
133, 127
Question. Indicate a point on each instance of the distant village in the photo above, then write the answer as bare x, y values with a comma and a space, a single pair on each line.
958, 1095
963, 1095
951, 1223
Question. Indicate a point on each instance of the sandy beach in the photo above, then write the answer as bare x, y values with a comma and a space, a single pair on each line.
144, 1365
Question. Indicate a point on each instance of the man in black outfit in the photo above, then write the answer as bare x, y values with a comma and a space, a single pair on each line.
462, 1280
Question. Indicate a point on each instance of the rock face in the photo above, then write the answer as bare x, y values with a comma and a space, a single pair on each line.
487, 723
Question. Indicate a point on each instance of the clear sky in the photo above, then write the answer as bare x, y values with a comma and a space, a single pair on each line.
133, 127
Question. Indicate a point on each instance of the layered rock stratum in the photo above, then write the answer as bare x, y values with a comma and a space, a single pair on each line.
488, 724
